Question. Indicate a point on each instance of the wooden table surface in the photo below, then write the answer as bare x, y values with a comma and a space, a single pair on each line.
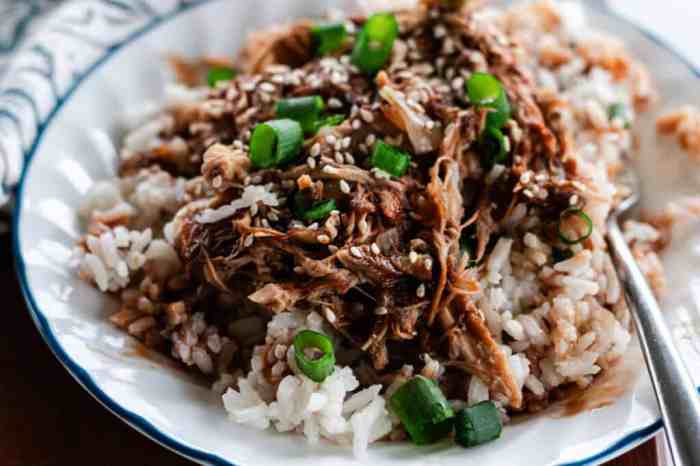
46, 418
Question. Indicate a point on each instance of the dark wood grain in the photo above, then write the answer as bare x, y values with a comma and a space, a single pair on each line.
47, 419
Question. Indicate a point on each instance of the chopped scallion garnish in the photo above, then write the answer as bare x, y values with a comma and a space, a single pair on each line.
478, 424
495, 146
375, 42
619, 112
423, 410
328, 37
220, 73
486, 91
275, 142
330, 120
315, 368
306, 110
565, 223
390, 159
319, 210
305, 208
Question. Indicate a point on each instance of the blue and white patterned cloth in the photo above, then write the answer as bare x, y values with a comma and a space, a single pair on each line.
17, 19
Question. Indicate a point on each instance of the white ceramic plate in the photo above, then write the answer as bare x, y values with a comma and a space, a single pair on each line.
60, 111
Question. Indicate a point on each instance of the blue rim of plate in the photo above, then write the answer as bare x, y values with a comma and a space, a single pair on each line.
136, 421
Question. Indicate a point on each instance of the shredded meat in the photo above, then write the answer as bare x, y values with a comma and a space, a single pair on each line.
395, 264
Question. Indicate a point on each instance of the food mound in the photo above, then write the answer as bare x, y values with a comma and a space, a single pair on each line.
383, 227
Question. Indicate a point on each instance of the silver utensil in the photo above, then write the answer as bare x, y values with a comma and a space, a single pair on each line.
675, 390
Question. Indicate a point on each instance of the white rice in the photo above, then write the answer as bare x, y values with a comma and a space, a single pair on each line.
251, 196
329, 409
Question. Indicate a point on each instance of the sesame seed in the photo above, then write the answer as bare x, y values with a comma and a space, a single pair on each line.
329, 169
346, 142
334, 103
267, 87
313, 226
344, 186
428, 263
370, 140
315, 150
311, 162
265, 223
458, 83
439, 31
448, 46
413, 257
248, 241
217, 181
339, 157
375, 249
355, 251
329, 314
265, 98
356, 124
338, 145
366, 115
324, 239
420, 291
332, 248
573, 200
349, 158
273, 217
330, 139
381, 310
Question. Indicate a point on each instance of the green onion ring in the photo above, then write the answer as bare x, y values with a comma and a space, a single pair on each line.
315, 369
583, 216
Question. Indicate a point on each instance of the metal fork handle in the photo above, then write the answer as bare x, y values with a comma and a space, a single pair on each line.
674, 388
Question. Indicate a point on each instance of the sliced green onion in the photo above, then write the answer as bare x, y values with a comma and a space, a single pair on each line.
423, 410
317, 369
214, 75
483, 89
328, 37
305, 110
319, 210
574, 211
494, 146
478, 424
486, 91
373, 47
275, 142
306, 210
390, 159
330, 120
559, 255
619, 111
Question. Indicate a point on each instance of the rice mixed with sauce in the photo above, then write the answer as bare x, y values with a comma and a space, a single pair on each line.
356, 219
